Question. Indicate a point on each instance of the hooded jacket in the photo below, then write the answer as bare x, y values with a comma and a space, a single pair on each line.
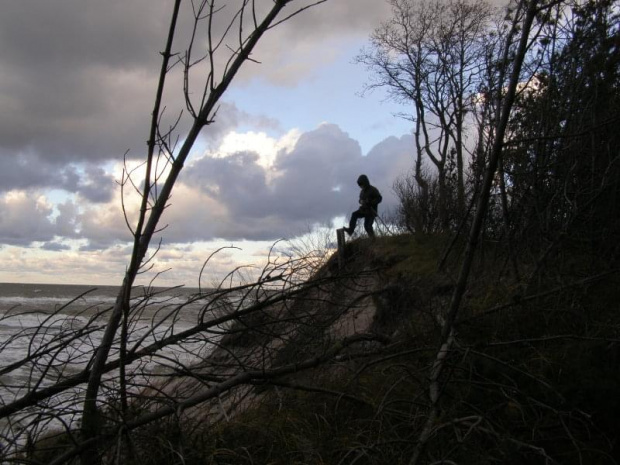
369, 196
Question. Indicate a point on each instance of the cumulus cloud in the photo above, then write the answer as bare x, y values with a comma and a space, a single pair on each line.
95, 185
25, 219
238, 194
227, 118
310, 183
77, 79
102, 226
77, 84
30, 171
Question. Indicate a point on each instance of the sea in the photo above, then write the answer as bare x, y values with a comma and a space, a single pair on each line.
36, 319
50, 297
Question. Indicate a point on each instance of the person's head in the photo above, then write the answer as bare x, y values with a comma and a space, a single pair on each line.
363, 181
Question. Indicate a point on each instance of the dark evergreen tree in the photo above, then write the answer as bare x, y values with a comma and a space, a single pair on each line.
561, 164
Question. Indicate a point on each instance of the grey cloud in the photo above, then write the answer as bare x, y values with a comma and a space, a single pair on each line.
313, 183
341, 17
389, 160
67, 221
100, 242
23, 221
102, 229
30, 171
309, 32
24, 171
72, 32
317, 179
76, 117
78, 78
66, 64
238, 181
76, 89
55, 247
95, 245
229, 116
96, 186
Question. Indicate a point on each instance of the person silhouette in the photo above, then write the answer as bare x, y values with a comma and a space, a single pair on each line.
370, 197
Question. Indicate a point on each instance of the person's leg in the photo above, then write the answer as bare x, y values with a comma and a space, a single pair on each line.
356, 215
368, 221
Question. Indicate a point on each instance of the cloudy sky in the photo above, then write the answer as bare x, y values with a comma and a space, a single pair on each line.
77, 80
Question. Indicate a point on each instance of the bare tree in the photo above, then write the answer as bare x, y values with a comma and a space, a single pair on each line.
197, 359
221, 41
237, 39
430, 55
